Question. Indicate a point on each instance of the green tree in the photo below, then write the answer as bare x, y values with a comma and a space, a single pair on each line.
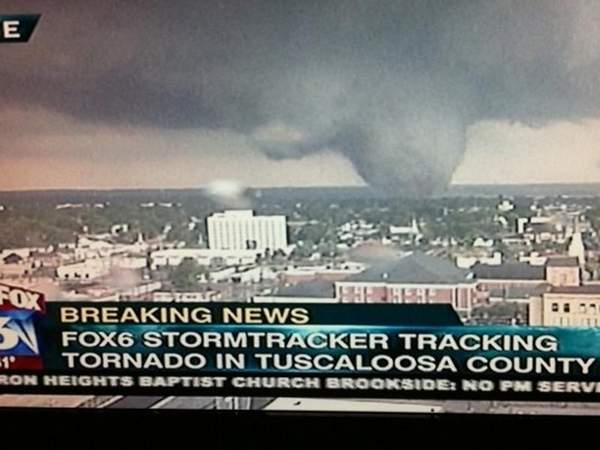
185, 275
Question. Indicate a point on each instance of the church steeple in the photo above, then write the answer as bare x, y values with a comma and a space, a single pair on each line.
576, 247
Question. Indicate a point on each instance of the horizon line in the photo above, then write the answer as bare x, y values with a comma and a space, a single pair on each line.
353, 186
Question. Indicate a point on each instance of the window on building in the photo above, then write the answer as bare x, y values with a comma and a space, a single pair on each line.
592, 308
582, 308
555, 307
566, 307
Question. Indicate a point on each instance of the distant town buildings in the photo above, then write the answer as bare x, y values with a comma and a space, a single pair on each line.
468, 261
404, 233
506, 206
491, 261
92, 268
20, 262
98, 246
119, 228
242, 230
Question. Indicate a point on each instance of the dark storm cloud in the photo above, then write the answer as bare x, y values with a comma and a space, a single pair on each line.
392, 85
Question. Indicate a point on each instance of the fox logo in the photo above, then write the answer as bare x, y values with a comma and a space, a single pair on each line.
12, 297
17, 337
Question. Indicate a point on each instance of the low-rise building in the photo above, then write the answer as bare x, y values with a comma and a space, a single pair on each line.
533, 258
319, 291
563, 271
329, 272
415, 278
83, 271
508, 275
99, 292
240, 274
203, 256
409, 233
522, 294
567, 306
526, 280
16, 265
466, 261
207, 295
506, 206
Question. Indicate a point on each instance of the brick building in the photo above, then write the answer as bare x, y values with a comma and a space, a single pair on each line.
416, 278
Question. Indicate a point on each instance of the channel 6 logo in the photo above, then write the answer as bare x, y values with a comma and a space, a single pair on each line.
19, 346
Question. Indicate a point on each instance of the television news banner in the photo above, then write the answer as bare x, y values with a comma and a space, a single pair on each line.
310, 350
333, 350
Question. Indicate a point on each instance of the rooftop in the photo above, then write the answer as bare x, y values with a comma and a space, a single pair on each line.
308, 289
415, 268
509, 271
586, 289
519, 292
238, 213
563, 262
542, 228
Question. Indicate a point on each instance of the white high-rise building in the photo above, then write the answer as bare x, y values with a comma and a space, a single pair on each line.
242, 230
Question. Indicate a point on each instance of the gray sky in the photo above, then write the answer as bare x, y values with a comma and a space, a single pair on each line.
407, 96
